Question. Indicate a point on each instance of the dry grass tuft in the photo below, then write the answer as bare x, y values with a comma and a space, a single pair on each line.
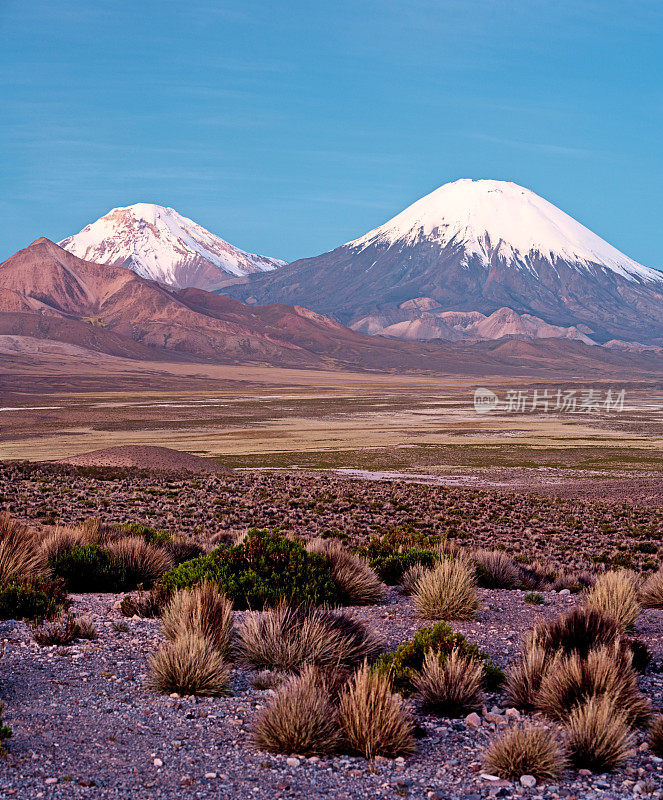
607, 671
598, 735
268, 679
61, 540
359, 584
523, 679
20, 554
411, 576
450, 686
143, 562
448, 591
189, 665
651, 592
288, 638
579, 631
656, 736
202, 610
495, 569
374, 721
300, 719
63, 631
525, 750
615, 595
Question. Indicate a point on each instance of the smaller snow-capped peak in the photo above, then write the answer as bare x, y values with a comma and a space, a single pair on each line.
158, 243
490, 218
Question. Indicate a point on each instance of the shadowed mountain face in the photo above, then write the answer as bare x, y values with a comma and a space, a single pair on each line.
48, 294
477, 246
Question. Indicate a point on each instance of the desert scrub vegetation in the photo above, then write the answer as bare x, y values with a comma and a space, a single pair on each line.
36, 599
264, 569
288, 638
656, 736
202, 610
63, 631
143, 564
526, 749
403, 664
357, 583
374, 721
615, 594
523, 678
393, 553
452, 685
447, 591
651, 591
300, 719
598, 736
495, 570
5, 730
189, 665
21, 557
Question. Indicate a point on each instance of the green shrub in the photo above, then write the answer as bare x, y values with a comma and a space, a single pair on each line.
393, 553
408, 658
34, 600
89, 568
264, 569
5, 731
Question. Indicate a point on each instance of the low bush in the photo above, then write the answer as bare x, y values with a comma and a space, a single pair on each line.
448, 591
606, 671
393, 554
5, 730
63, 631
651, 592
145, 604
300, 719
615, 595
495, 570
89, 568
37, 599
403, 664
142, 563
263, 570
190, 665
373, 720
525, 750
452, 685
202, 610
656, 736
357, 583
411, 576
288, 638
534, 599
598, 735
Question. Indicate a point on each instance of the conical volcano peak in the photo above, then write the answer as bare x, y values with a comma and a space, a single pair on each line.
492, 219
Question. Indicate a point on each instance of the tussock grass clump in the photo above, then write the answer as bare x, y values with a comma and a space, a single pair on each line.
495, 570
523, 679
300, 719
268, 679
411, 577
61, 540
656, 736
525, 750
202, 610
651, 592
373, 720
142, 563
579, 631
63, 631
189, 665
288, 638
448, 591
615, 595
450, 686
598, 735
607, 671
358, 584
21, 557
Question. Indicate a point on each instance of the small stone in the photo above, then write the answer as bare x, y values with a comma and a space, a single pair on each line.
292, 761
400, 760
585, 772
512, 713
158, 762
473, 720
50, 781
210, 775
528, 781
487, 777
314, 759
565, 592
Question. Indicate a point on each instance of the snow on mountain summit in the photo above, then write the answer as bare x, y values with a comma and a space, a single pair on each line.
490, 219
158, 243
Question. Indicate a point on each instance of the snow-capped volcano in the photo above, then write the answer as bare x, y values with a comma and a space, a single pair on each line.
498, 219
160, 244
477, 246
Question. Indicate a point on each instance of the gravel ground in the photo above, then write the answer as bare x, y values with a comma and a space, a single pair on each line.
86, 725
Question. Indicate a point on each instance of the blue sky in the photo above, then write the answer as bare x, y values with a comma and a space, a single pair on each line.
291, 127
